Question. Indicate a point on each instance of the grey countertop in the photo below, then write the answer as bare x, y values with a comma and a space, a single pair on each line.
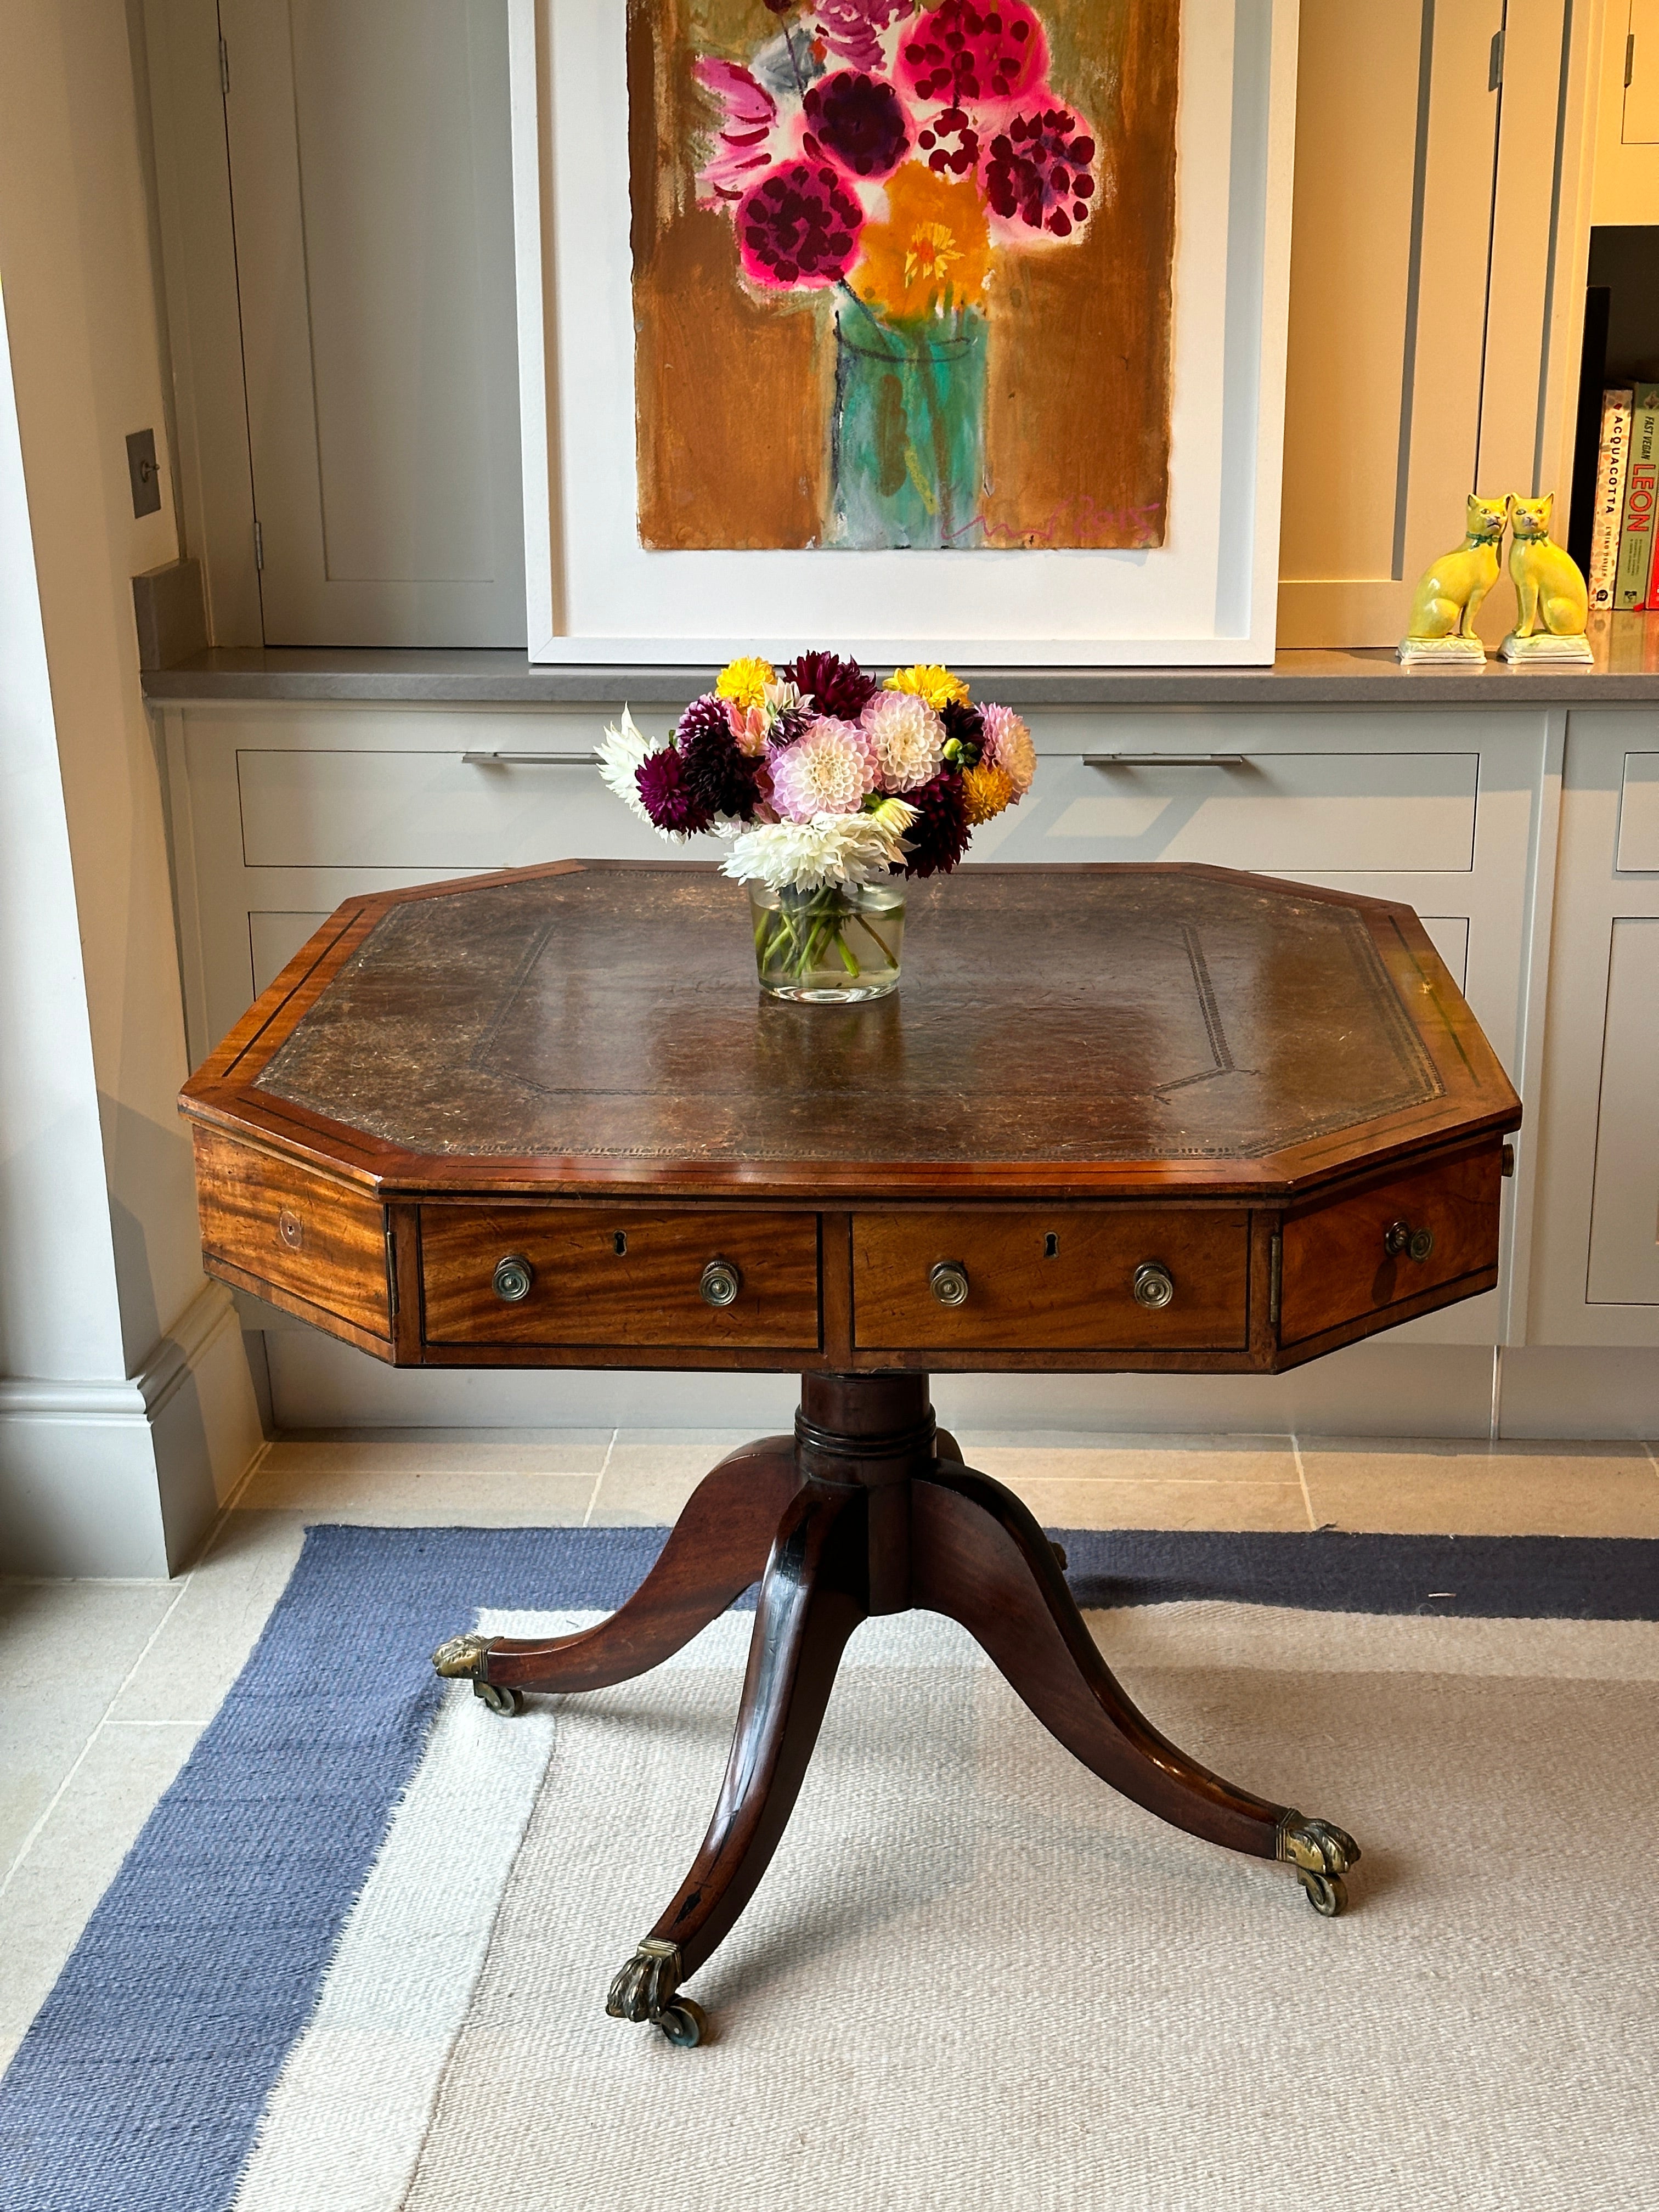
1626, 672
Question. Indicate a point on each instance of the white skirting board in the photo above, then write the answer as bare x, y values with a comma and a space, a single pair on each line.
1383, 1389
123, 1476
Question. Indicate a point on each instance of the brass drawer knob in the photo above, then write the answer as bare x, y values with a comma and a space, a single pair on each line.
721, 1284
512, 1278
1416, 1244
948, 1280
1154, 1285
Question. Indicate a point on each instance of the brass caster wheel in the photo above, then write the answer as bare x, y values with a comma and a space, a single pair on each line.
499, 1697
684, 2023
1328, 1893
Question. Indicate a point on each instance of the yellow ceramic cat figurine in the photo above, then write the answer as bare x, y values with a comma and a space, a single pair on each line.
1552, 605
1448, 599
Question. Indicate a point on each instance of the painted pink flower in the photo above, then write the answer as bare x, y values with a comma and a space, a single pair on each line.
830, 768
743, 136
1039, 169
851, 29
858, 121
964, 56
798, 227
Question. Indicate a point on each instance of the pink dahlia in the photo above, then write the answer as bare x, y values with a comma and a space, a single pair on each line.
1008, 745
798, 227
830, 768
909, 738
858, 121
1038, 171
966, 55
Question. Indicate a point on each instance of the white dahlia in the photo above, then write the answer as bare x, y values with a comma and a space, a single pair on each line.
831, 848
619, 758
909, 738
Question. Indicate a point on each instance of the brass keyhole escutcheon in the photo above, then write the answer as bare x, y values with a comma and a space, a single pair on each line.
290, 1229
619, 1243
1416, 1244
948, 1280
1154, 1285
721, 1283
512, 1278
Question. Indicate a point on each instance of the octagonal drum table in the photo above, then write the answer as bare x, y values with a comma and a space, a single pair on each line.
1164, 1119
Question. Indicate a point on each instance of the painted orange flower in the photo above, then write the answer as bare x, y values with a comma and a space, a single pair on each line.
932, 254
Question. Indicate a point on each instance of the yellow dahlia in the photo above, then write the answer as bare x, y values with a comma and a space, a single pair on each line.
935, 686
987, 789
746, 680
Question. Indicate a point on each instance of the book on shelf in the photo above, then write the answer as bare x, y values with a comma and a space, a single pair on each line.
1609, 495
1633, 578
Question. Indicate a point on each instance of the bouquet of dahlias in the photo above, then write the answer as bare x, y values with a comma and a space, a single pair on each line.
830, 785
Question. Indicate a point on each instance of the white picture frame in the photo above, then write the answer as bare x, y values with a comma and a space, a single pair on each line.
1206, 597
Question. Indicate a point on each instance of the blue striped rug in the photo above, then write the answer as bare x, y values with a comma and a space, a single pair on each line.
142, 2081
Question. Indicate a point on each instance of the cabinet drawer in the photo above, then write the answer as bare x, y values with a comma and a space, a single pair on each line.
1336, 1264
1059, 1281
293, 1231
617, 1276
1294, 813
312, 808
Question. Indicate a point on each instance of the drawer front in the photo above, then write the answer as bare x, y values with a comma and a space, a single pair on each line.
1051, 1281
437, 810
1336, 1264
1295, 813
296, 1231
1639, 816
617, 1277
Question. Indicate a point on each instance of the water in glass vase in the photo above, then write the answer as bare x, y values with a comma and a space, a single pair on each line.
834, 946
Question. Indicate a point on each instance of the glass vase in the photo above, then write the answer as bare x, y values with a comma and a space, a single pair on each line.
835, 946
908, 454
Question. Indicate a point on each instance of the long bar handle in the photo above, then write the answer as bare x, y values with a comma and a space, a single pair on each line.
1166, 759
531, 760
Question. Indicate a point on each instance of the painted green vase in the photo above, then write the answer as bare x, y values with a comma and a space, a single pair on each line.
908, 453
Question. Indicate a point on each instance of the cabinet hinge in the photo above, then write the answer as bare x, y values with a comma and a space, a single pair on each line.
1275, 1275
1495, 63
259, 544
224, 71
392, 1273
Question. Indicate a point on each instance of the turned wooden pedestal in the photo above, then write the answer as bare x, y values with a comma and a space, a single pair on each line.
1162, 1119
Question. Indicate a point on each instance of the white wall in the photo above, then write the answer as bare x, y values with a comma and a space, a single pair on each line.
100, 1282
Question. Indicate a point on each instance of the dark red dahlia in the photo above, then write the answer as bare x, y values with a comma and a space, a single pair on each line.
665, 797
836, 687
964, 733
858, 121
714, 773
964, 55
1039, 171
799, 225
938, 837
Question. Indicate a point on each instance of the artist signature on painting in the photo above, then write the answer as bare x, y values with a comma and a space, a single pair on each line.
1079, 522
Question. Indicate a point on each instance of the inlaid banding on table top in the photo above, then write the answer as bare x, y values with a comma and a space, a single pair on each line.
1047, 1015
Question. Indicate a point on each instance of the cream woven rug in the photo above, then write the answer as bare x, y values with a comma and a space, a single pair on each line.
975, 1977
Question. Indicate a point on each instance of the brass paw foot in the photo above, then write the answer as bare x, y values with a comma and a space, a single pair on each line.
1322, 1854
464, 1658
648, 1989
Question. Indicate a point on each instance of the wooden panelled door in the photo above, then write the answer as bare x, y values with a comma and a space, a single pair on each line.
370, 176
1420, 268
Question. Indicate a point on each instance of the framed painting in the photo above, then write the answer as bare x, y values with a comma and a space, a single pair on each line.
954, 329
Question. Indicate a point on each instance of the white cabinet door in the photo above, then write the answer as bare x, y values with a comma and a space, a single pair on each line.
370, 184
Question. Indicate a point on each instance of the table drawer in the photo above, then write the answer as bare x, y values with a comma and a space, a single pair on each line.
1057, 1281
293, 1232
617, 1276
1337, 1267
